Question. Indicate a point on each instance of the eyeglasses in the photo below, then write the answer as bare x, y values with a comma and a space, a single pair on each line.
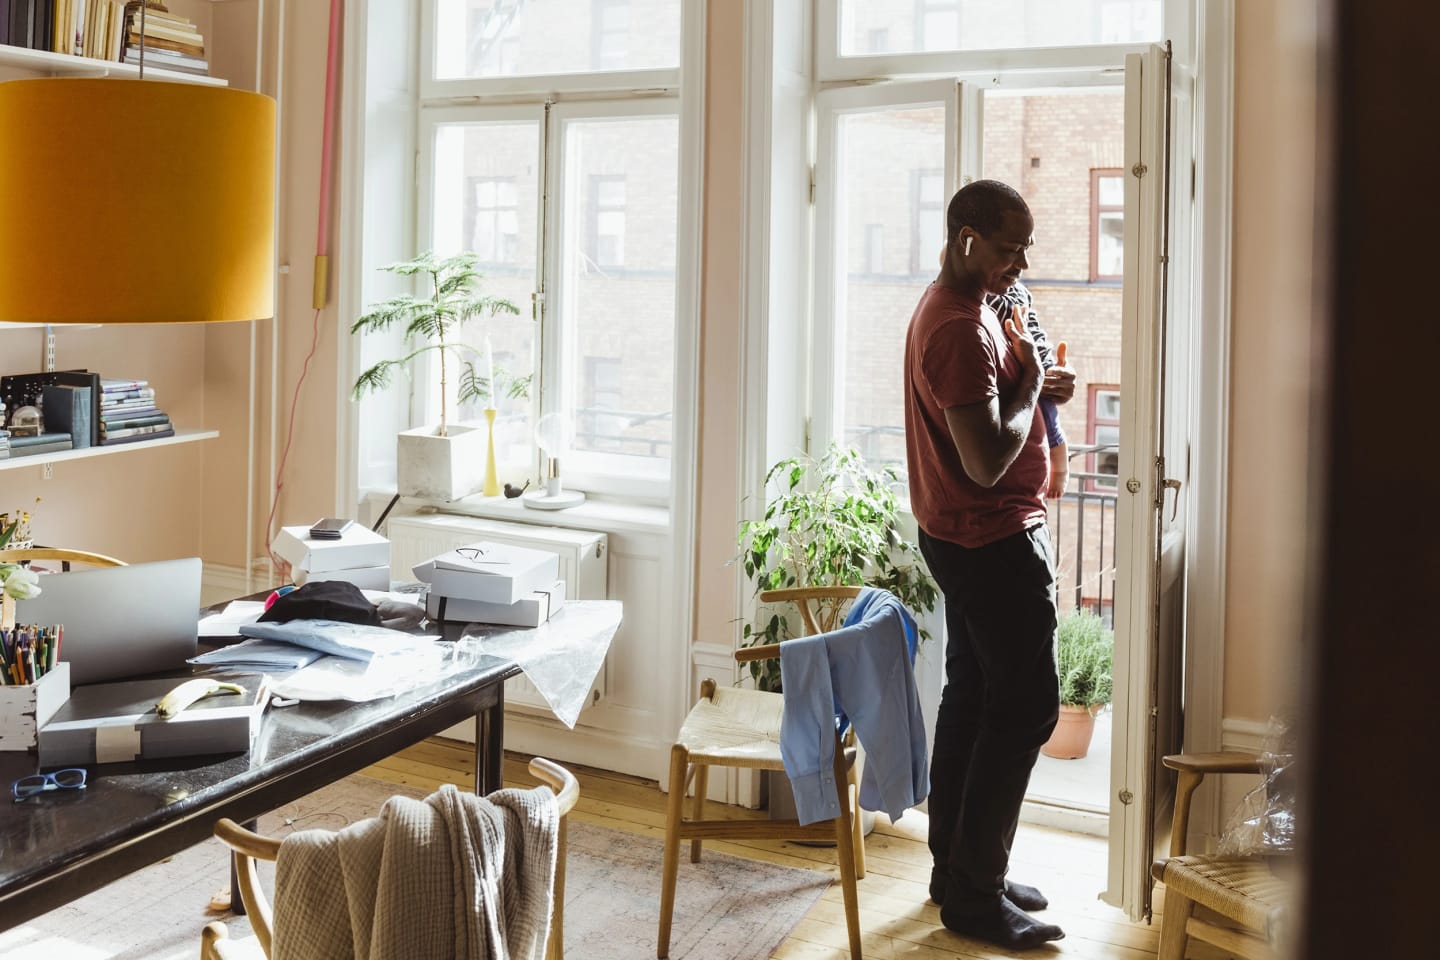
26, 787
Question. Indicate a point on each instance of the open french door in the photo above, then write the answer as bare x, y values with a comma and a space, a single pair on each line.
1150, 594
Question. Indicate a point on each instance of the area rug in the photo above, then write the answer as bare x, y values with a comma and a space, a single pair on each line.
726, 908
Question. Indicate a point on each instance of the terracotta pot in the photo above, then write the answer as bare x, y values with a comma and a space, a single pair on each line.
1071, 739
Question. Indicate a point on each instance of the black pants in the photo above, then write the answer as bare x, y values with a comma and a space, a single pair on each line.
1000, 703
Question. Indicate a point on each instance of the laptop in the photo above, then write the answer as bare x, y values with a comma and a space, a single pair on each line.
121, 622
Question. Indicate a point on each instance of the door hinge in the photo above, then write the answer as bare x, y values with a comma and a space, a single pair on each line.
805, 440
812, 184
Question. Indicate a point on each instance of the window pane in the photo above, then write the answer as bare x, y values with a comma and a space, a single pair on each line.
486, 201
1110, 252
1107, 405
1112, 191
496, 38
618, 235
910, 26
874, 148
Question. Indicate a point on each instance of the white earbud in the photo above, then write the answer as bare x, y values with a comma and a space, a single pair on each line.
968, 241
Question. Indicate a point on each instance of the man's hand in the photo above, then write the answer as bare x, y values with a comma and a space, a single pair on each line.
1059, 385
1021, 343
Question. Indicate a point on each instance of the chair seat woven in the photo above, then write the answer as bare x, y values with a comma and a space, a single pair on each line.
737, 728
1245, 889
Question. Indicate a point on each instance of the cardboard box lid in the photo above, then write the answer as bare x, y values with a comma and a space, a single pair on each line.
358, 546
490, 572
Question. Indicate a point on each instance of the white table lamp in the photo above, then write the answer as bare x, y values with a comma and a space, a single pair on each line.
552, 435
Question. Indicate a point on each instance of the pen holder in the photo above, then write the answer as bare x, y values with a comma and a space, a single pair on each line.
24, 709
492, 482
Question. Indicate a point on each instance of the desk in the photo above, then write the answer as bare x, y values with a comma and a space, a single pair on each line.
72, 843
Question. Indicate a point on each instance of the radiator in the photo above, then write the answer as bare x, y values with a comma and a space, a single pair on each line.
583, 567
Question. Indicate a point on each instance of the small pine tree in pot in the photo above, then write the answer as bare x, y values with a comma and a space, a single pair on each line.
447, 461
1084, 656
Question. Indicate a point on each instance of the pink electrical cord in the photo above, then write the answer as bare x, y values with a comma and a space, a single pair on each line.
322, 251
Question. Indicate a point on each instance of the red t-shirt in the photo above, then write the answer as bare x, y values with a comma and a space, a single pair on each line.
956, 354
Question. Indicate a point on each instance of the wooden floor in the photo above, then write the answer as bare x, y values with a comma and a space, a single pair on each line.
896, 917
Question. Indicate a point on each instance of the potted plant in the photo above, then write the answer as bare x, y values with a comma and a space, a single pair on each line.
1084, 654
444, 461
16, 582
829, 522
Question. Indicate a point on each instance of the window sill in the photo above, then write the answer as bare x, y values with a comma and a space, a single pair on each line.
603, 516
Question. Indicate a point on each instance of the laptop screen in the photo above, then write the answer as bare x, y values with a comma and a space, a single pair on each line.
121, 621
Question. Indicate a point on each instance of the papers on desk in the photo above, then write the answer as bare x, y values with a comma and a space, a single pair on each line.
227, 622
336, 660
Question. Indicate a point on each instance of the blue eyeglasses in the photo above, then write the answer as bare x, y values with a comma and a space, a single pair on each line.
26, 787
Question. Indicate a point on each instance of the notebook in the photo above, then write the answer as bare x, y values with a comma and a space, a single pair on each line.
121, 621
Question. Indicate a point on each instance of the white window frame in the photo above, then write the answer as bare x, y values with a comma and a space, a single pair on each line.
609, 93
613, 474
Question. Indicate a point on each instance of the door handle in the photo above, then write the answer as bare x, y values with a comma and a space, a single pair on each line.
1170, 483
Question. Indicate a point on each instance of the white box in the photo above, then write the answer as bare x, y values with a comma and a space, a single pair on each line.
26, 708
490, 572
358, 546
528, 611
366, 578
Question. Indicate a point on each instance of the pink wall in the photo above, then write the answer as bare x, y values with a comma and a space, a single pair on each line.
1270, 367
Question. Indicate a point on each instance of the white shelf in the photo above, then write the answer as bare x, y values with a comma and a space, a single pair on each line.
13, 462
46, 63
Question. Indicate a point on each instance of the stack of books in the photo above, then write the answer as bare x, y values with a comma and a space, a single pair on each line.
489, 582
85, 28
40, 443
128, 413
171, 42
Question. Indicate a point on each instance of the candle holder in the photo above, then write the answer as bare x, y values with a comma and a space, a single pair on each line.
492, 482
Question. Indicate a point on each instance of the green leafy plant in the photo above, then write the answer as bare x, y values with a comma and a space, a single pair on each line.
454, 300
1085, 654
828, 522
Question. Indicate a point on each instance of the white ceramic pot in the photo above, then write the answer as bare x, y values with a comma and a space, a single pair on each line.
432, 467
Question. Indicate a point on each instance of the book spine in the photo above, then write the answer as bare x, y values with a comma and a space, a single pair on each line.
136, 431
107, 441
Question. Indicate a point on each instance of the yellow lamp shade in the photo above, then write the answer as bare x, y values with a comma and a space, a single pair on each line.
128, 201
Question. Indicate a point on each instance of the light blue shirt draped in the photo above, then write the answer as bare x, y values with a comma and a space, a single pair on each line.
863, 673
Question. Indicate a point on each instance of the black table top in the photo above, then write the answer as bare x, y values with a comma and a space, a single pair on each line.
61, 844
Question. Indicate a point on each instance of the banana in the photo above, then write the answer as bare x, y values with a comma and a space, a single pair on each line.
191, 690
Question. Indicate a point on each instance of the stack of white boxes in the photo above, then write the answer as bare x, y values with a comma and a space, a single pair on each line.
486, 582
360, 556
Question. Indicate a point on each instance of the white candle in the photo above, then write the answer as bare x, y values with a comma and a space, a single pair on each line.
490, 370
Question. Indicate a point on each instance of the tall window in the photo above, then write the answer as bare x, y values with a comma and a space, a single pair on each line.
1103, 432
494, 230
1107, 224
928, 225
607, 220
568, 189
610, 34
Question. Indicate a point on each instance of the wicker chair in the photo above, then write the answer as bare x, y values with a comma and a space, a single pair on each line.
1235, 903
215, 942
737, 727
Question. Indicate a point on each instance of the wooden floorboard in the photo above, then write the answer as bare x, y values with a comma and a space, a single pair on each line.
897, 920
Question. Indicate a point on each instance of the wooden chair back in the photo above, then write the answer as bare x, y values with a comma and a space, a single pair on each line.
820, 608
66, 557
249, 848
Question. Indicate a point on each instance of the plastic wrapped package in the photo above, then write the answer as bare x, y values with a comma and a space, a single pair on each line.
1264, 821
561, 657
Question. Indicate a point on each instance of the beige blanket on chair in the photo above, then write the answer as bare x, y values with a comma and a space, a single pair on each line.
452, 876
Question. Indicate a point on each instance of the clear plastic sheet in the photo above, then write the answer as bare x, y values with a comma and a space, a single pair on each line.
384, 675
1264, 821
561, 657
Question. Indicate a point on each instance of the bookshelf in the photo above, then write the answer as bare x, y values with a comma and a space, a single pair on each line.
23, 62
85, 453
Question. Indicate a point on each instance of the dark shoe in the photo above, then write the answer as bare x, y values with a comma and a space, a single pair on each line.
1002, 924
